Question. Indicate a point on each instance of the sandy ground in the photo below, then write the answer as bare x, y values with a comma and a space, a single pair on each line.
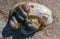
52, 31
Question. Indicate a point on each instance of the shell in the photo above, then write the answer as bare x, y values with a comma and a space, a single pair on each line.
36, 15
39, 10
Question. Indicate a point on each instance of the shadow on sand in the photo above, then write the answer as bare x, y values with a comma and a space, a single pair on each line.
9, 31
16, 34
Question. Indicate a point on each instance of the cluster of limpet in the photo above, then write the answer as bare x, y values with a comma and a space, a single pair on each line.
30, 17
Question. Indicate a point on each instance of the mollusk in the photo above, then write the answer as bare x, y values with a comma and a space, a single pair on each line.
31, 15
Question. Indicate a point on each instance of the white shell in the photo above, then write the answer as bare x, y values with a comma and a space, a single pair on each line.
41, 10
